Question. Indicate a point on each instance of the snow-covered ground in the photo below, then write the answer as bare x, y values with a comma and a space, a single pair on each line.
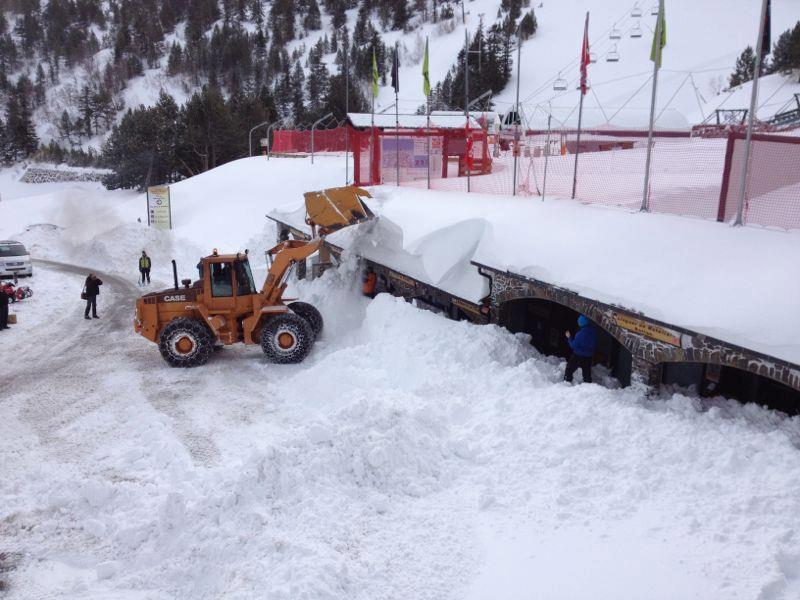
408, 457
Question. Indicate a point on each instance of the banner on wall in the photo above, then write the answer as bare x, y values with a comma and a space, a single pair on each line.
159, 211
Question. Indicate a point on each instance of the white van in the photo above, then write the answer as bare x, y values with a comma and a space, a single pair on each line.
14, 259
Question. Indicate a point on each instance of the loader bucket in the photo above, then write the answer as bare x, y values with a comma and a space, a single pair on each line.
335, 208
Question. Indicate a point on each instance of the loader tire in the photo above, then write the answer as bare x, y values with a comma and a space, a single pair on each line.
185, 343
287, 338
310, 314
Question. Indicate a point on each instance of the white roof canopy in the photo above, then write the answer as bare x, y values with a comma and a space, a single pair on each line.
388, 121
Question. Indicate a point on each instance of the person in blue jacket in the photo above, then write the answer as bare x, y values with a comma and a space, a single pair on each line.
583, 345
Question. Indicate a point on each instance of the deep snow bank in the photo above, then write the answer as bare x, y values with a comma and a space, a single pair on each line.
728, 282
409, 457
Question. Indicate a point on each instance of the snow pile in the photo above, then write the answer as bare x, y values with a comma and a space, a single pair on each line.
409, 457
630, 259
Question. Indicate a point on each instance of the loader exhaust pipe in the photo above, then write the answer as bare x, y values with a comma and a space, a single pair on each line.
175, 273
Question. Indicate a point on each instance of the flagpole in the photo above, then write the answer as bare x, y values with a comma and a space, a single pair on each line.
426, 89
396, 82
346, 111
751, 114
656, 65
580, 113
546, 156
517, 120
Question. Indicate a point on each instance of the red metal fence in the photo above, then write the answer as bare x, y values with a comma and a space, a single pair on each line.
300, 140
690, 175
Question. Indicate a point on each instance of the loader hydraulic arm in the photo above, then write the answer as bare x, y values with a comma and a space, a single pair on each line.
283, 256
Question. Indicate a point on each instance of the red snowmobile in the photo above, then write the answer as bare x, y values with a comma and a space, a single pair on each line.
16, 293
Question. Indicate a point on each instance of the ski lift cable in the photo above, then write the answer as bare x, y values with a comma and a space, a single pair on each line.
772, 95
632, 96
698, 96
596, 99
596, 44
666, 106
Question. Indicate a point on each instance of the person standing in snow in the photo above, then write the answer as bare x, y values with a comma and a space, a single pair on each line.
583, 345
144, 268
3, 308
91, 291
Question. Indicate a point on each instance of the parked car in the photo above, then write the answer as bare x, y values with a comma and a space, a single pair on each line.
14, 260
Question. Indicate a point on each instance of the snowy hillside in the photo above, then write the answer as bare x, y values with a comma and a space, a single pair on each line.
704, 41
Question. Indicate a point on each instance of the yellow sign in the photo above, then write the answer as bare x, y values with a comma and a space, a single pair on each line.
403, 278
466, 306
655, 332
159, 211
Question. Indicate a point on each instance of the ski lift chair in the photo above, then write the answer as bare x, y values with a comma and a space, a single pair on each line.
636, 31
615, 34
636, 12
613, 55
654, 9
592, 57
560, 84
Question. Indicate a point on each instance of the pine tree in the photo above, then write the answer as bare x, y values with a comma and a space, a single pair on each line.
20, 134
528, 25
39, 88
297, 85
786, 52
745, 68
400, 15
312, 21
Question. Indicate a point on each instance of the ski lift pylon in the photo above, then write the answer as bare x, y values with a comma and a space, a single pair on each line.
636, 31
613, 54
560, 84
615, 33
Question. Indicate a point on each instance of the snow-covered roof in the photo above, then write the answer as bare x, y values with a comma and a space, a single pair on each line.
388, 121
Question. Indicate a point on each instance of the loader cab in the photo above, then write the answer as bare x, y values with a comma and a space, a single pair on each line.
230, 292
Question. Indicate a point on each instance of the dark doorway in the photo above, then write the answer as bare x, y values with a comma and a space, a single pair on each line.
715, 380
546, 322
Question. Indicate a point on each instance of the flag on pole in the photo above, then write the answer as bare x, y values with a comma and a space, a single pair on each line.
426, 77
766, 38
658, 44
585, 56
374, 75
395, 71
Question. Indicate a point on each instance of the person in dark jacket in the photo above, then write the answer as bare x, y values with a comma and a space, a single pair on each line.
92, 287
583, 345
144, 268
4, 298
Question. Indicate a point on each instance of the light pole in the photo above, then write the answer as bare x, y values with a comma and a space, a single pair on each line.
313, 128
250, 136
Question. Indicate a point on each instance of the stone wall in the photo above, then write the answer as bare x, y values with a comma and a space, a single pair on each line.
650, 342
56, 175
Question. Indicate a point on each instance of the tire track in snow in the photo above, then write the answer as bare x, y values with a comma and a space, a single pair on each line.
77, 364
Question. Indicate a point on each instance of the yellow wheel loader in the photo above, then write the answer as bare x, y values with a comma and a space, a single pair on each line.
224, 307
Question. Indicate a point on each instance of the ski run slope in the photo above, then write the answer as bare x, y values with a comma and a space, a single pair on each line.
408, 457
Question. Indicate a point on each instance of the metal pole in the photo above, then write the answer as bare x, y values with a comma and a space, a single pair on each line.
396, 115
656, 65
269, 130
466, 84
428, 135
250, 136
546, 156
751, 116
517, 120
346, 110
313, 127
580, 122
